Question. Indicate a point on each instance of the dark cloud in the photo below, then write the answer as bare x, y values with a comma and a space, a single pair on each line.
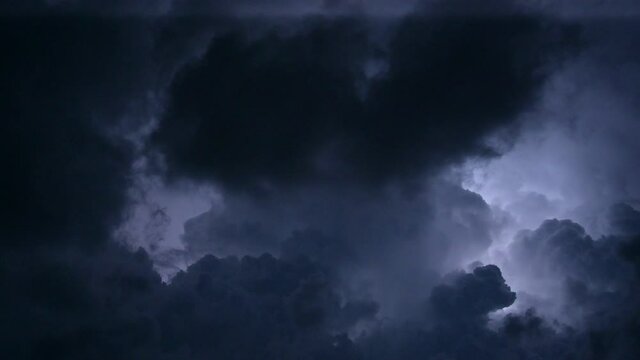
319, 131
390, 243
590, 286
474, 7
527, 324
560, 249
69, 304
624, 220
460, 306
536, 338
75, 90
84, 7
258, 307
473, 295
111, 304
66, 84
319, 134
251, 109
339, 225
314, 243
565, 141
64, 81
630, 251
607, 328
244, 7
329, 103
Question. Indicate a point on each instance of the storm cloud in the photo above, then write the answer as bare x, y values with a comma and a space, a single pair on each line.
339, 145
443, 83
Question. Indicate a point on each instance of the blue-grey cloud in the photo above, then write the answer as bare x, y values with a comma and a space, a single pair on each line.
330, 140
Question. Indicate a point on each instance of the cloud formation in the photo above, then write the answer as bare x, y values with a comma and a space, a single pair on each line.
472, 295
328, 103
65, 176
111, 304
330, 143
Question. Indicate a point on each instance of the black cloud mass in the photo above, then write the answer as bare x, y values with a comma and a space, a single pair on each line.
345, 107
332, 134
52, 99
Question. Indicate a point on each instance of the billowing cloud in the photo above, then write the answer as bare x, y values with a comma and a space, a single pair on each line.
336, 170
470, 296
63, 83
589, 285
246, 115
579, 144
111, 304
327, 148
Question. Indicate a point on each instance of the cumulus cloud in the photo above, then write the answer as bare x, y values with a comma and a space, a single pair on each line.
328, 143
461, 306
584, 291
320, 136
111, 304
472, 295
580, 154
389, 240
579, 143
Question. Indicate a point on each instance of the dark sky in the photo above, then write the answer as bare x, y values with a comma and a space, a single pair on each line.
193, 179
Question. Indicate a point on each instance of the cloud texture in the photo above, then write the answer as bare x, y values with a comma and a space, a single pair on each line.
332, 134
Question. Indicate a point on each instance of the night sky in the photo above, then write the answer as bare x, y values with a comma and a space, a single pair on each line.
320, 179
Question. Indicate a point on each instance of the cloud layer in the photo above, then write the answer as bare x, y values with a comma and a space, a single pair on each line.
339, 228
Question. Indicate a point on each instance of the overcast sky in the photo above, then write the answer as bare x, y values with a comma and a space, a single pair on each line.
196, 179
